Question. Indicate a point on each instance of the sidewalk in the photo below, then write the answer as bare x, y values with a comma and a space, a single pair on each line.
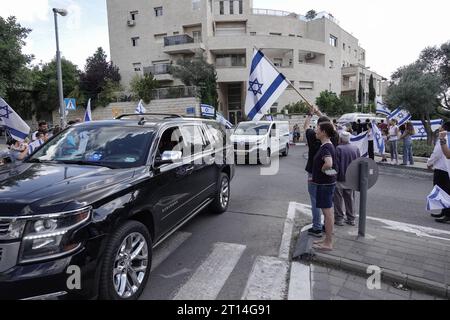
408, 257
420, 164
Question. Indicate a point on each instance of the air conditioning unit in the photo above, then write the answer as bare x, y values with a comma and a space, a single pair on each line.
131, 23
310, 56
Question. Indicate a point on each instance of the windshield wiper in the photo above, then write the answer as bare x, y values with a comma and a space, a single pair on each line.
86, 163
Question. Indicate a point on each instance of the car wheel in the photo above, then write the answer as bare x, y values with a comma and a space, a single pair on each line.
222, 198
286, 151
127, 263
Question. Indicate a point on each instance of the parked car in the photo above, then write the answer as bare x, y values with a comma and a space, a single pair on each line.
354, 117
254, 140
100, 196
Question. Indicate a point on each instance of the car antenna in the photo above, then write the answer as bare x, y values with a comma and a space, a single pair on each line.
142, 122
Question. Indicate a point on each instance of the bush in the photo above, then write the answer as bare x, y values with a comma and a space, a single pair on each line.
420, 149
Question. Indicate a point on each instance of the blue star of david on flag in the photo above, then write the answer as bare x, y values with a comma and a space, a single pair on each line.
255, 87
4, 112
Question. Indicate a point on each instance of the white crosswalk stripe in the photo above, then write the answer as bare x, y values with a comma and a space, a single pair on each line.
299, 282
168, 247
268, 279
209, 278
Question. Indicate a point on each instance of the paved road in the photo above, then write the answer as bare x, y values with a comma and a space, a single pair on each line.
223, 257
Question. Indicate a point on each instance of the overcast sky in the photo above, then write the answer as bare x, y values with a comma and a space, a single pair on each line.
393, 32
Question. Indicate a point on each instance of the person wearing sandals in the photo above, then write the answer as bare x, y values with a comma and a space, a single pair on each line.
324, 176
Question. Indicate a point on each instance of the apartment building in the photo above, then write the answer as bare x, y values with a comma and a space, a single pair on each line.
314, 54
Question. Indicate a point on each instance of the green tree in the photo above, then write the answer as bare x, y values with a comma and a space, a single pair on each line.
46, 85
329, 103
311, 14
417, 91
437, 60
12, 61
372, 91
99, 75
360, 93
142, 86
347, 104
299, 107
197, 72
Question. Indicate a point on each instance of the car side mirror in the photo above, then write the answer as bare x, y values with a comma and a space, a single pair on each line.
169, 157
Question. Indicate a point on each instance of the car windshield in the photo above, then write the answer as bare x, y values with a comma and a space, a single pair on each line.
114, 147
252, 129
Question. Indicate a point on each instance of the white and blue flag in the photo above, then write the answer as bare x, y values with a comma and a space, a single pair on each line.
421, 133
379, 145
438, 199
140, 109
401, 115
264, 87
17, 128
362, 142
382, 108
88, 113
208, 112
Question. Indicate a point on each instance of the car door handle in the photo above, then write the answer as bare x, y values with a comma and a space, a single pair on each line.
189, 170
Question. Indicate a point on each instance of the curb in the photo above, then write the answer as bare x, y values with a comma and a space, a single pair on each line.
404, 168
412, 282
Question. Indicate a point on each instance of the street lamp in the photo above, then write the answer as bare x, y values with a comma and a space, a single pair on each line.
62, 111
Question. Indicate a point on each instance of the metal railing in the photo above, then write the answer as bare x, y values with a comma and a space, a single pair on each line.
175, 92
281, 13
178, 39
158, 69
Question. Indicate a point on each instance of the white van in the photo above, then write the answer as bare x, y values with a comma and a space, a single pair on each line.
254, 140
354, 117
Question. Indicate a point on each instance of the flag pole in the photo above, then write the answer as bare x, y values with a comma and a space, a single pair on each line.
290, 83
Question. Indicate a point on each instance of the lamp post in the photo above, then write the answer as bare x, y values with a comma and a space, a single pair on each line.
62, 111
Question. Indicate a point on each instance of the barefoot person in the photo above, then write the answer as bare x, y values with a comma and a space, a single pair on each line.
325, 179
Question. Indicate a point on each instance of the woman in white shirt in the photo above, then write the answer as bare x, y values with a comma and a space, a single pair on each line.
393, 141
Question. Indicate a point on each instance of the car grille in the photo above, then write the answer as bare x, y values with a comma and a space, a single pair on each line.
4, 227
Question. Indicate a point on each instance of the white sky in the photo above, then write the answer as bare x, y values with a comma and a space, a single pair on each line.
393, 32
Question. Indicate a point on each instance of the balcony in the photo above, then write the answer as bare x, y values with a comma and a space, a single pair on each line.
181, 44
161, 72
280, 13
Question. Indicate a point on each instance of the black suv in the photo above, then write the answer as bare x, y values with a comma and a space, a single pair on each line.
80, 217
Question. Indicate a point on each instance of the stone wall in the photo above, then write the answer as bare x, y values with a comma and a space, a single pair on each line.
171, 106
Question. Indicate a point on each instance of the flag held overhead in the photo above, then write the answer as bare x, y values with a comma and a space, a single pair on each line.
17, 128
264, 87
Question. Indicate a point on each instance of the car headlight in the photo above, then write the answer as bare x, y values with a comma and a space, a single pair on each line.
50, 236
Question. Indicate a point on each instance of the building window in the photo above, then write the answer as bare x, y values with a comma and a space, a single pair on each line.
176, 33
134, 41
137, 66
158, 11
133, 15
331, 64
275, 34
333, 41
222, 7
195, 5
306, 85
231, 7
363, 55
343, 46
274, 110
241, 7
230, 60
292, 35
159, 38
277, 62
197, 35
253, 33
356, 54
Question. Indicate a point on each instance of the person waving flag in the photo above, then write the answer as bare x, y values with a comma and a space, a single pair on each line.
264, 87
16, 127
382, 108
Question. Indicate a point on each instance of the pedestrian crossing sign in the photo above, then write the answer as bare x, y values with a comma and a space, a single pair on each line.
71, 104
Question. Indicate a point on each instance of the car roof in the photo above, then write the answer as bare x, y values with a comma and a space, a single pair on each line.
148, 123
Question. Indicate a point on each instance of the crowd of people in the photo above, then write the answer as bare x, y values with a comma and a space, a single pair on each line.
330, 153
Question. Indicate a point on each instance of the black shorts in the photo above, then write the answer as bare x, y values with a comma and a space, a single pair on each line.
324, 196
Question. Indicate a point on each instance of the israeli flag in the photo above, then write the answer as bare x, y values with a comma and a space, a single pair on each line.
362, 142
265, 86
140, 109
17, 128
421, 133
208, 112
382, 108
438, 200
379, 145
88, 114
401, 115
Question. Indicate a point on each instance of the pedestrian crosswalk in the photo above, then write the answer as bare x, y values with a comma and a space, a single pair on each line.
268, 278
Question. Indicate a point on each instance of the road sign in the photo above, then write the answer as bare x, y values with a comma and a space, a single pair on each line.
352, 177
190, 110
71, 104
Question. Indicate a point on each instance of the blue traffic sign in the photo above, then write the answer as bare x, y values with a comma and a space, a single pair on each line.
71, 104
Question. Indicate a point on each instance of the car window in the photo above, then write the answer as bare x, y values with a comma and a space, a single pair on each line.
194, 141
171, 140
